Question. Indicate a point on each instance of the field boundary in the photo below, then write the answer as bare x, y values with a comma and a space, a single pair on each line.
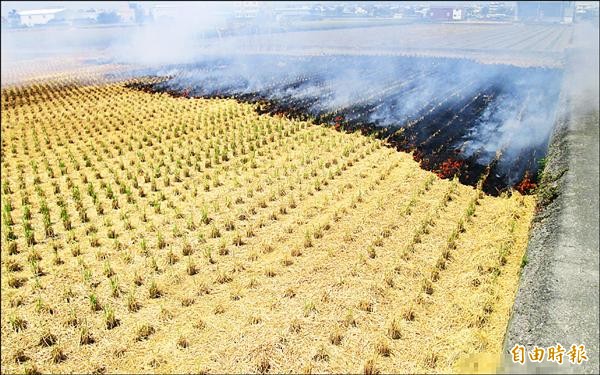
547, 309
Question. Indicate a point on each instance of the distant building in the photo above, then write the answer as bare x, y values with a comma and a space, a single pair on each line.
41, 16
246, 9
457, 14
440, 13
421, 12
291, 13
587, 12
360, 11
81, 16
546, 11
445, 14
500, 11
494, 9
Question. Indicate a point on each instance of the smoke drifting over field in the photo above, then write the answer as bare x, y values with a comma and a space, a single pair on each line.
457, 116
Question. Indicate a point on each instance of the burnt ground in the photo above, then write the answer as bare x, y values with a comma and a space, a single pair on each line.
451, 114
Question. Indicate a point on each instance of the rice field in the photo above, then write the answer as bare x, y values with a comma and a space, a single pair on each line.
147, 233
525, 45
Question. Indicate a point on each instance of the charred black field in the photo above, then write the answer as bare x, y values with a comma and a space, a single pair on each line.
480, 122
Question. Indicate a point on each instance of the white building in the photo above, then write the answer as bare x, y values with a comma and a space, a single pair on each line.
457, 14
40, 16
360, 11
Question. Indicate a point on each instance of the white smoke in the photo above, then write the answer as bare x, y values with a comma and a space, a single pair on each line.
190, 42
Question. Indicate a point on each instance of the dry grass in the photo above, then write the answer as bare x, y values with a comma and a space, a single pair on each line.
127, 216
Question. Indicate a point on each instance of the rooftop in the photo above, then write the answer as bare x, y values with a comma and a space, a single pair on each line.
40, 11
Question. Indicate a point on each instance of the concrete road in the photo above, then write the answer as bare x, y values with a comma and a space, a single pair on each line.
557, 300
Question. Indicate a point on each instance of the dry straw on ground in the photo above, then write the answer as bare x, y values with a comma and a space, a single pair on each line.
144, 233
